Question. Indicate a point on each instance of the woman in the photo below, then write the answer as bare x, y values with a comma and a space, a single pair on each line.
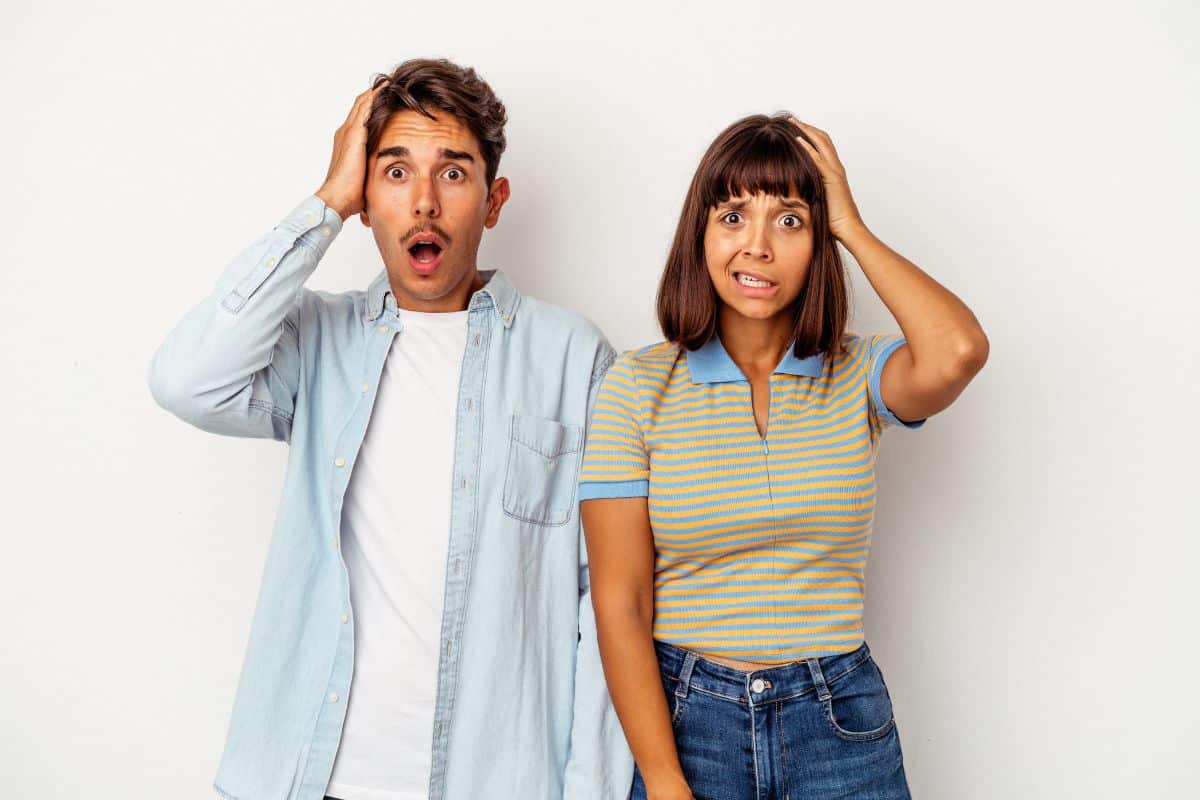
728, 484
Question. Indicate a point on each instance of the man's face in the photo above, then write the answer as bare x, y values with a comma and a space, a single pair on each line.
427, 202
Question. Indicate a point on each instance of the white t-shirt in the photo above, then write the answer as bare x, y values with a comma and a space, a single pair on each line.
395, 530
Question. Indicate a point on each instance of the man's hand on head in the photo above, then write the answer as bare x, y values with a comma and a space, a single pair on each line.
343, 187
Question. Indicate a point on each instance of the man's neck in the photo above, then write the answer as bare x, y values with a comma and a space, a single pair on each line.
458, 299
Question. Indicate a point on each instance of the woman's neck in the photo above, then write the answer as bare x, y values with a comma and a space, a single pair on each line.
755, 345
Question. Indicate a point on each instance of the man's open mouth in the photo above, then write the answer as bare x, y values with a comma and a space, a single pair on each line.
425, 252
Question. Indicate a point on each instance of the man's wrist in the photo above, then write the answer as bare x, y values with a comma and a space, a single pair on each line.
333, 202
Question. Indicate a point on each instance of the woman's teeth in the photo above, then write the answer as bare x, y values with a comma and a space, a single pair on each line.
746, 280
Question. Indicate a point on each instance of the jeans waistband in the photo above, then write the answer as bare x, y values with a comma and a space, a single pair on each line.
691, 671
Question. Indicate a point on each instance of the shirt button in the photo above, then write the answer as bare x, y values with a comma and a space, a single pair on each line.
333, 697
334, 539
311, 219
365, 388
757, 686
345, 617
272, 262
326, 230
341, 462
383, 329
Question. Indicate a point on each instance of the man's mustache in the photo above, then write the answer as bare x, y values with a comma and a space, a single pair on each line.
416, 229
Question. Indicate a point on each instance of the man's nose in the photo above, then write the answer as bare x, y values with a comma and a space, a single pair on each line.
425, 202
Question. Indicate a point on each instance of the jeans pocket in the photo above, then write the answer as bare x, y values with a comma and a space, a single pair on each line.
859, 708
675, 704
543, 470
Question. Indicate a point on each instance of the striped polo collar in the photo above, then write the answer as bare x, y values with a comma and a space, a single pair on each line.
712, 364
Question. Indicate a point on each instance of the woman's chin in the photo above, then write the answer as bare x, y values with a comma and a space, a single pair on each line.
758, 310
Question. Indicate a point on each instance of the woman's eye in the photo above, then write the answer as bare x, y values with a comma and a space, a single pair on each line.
454, 174
791, 221
732, 218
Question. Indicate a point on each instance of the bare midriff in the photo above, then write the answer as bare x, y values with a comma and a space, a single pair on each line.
744, 666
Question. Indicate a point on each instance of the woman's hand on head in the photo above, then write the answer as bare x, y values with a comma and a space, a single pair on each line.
844, 219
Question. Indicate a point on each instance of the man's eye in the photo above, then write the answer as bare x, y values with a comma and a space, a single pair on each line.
395, 172
791, 221
732, 218
454, 174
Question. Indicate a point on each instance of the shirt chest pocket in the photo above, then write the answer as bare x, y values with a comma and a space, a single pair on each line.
542, 471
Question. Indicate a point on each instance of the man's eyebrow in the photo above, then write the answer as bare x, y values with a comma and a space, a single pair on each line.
733, 205
400, 151
786, 203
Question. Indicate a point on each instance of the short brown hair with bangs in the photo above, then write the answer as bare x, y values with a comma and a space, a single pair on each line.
429, 85
757, 154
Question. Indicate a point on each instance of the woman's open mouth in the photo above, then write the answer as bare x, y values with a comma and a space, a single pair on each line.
753, 285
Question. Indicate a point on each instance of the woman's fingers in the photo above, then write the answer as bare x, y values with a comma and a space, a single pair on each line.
817, 143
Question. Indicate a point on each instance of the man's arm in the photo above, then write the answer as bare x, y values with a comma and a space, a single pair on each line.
232, 364
599, 764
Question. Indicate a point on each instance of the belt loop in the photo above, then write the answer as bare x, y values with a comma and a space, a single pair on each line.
685, 674
814, 666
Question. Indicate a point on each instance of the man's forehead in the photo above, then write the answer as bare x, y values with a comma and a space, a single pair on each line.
415, 131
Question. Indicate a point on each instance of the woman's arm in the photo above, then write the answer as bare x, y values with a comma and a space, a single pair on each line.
621, 564
946, 347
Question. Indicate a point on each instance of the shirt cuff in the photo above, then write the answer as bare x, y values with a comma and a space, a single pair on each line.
314, 223
602, 490
881, 410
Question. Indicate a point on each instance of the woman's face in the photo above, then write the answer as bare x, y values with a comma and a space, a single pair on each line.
758, 249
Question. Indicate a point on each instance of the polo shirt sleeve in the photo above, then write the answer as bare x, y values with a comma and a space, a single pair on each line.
879, 350
615, 463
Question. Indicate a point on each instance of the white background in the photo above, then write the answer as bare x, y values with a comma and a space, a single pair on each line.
1033, 591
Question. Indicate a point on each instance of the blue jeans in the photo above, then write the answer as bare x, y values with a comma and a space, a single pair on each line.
820, 728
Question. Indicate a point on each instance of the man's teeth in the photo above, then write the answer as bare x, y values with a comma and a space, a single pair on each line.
746, 280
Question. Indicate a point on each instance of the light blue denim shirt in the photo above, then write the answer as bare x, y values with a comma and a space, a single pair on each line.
522, 710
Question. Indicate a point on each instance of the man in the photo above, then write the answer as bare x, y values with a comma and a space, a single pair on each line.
424, 627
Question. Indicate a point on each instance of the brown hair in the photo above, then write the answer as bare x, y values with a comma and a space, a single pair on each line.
755, 154
428, 85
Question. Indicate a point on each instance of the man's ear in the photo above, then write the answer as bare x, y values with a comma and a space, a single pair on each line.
497, 197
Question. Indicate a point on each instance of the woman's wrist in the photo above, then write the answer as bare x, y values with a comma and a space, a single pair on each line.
667, 786
855, 235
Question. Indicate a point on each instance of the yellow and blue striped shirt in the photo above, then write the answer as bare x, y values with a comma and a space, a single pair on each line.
760, 542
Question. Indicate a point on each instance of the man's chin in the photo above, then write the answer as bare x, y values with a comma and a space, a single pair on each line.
442, 285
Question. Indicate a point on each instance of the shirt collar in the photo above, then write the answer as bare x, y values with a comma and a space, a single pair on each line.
497, 292
712, 364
